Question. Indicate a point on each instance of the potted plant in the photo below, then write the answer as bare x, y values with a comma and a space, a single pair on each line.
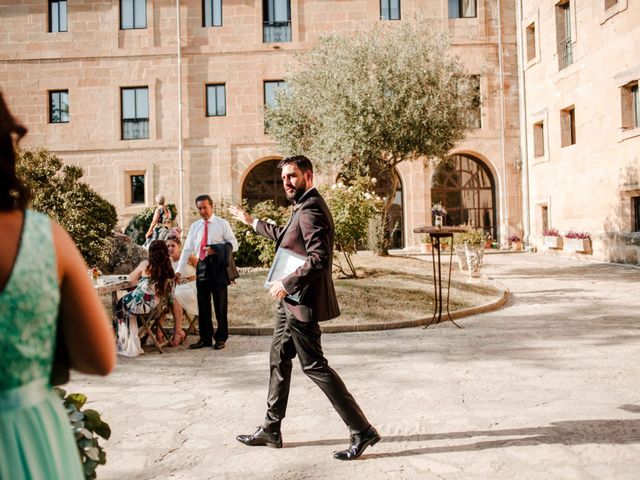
552, 238
438, 212
425, 244
516, 242
469, 248
577, 241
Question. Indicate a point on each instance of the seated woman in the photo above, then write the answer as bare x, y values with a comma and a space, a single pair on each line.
185, 294
154, 279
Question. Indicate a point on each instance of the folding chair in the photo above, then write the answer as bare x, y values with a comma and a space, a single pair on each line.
152, 320
192, 329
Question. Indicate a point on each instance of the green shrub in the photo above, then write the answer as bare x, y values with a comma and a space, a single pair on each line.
473, 237
59, 193
139, 225
254, 250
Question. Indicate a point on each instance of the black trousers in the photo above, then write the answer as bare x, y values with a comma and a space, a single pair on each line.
208, 289
291, 337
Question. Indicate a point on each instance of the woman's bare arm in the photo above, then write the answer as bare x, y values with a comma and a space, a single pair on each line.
137, 273
154, 222
87, 330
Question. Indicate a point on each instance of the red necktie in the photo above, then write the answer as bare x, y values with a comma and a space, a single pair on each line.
205, 240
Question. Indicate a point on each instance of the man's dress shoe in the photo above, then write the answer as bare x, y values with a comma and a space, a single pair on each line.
218, 345
262, 438
199, 344
359, 443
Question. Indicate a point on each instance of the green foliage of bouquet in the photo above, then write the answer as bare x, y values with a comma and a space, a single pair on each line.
87, 426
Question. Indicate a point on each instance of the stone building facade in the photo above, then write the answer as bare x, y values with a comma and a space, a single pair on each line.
581, 122
146, 115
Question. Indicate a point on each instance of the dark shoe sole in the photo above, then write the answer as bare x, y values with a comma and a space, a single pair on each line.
261, 444
370, 443
218, 346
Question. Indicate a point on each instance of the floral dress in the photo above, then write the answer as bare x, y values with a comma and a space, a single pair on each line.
140, 301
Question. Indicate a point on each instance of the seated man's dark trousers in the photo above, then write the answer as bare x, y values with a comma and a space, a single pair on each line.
211, 283
293, 337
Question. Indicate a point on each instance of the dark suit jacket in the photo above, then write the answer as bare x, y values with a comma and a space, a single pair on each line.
309, 233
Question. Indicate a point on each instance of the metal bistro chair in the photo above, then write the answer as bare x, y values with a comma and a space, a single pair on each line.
152, 321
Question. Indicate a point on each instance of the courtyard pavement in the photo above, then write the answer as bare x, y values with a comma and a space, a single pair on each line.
545, 388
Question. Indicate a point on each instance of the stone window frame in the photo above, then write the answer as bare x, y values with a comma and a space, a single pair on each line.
389, 10
541, 116
568, 136
630, 109
128, 175
570, 36
531, 20
56, 4
609, 12
538, 139
542, 206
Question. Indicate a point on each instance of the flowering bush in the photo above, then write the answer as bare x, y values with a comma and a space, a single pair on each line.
351, 207
514, 238
574, 234
551, 232
438, 209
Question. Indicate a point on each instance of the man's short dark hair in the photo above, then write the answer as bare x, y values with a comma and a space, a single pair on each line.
202, 198
300, 161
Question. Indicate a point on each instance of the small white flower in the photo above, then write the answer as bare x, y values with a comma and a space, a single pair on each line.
374, 180
340, 185
333, 187
367, 195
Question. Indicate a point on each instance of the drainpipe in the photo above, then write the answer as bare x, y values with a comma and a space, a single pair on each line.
180, 159
505, 208
522, 104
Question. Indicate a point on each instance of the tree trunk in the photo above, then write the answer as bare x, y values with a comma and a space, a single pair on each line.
383, 249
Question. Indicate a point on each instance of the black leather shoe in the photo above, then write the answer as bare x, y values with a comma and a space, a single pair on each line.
199, 344
359, 443
218, 345
262, 438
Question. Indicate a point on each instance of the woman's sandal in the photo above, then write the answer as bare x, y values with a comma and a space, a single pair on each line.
179, 340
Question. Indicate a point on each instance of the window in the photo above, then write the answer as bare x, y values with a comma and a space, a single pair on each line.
270, 91
133, 14
543, 218
563, 34
630, 106
57, 15
531, 42
59, 106
211, 13
135, 113
389, 9
635, 212
276, 20
136, 185
216, 100
568, 126
538, 139
462, 9
609, 3
475, 115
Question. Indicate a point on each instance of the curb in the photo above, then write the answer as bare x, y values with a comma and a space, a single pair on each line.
494, 304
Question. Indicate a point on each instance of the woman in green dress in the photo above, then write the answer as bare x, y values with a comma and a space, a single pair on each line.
43, 286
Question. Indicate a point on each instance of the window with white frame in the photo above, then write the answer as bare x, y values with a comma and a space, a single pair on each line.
133, 14
211, 13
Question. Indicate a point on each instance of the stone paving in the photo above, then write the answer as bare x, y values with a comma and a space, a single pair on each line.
545, 388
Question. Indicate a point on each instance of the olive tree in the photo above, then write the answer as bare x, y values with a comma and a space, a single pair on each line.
58, 192
374, 99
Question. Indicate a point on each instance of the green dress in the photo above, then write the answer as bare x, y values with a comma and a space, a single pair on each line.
36, 441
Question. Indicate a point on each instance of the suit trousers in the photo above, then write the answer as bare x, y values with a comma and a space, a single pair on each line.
291, 337
207, 290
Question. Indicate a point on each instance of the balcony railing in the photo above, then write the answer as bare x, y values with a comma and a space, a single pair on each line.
133, 129
565, 53
275, 32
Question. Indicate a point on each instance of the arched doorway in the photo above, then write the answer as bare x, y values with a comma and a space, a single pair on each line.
394, 229
262, 183
465, 187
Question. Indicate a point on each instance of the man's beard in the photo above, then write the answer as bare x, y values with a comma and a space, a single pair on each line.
294, 196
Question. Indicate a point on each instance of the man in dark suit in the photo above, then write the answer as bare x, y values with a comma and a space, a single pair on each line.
309, 233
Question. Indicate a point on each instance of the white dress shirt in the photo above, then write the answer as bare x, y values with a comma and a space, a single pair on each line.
219, 231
